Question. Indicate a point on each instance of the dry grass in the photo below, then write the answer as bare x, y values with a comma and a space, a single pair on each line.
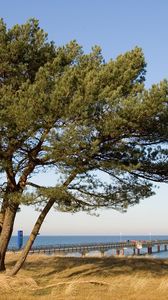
90, 278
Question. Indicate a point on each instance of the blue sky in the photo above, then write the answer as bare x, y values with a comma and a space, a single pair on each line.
117, 26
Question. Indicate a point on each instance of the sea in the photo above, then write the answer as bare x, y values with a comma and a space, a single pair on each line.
45, 240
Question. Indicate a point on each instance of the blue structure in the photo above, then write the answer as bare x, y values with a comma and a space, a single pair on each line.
20, 238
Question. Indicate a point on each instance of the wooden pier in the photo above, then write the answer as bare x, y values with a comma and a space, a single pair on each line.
150, 247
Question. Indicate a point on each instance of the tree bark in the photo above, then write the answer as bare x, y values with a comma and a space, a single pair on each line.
2, 213
2, 216
6, 232
31, 239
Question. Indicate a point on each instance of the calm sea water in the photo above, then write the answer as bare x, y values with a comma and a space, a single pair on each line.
42, 240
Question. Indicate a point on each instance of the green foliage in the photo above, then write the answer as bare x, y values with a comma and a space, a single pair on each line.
76, 113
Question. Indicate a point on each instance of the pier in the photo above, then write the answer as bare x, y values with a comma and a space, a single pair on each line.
136, 247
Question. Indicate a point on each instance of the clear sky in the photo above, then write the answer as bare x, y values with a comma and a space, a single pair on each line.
117, 26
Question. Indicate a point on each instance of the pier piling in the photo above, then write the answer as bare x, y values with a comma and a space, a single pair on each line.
117, 251
150, 250
138, 251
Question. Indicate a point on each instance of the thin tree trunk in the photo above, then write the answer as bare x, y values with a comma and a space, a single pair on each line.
36, 229
31, 239
6, 232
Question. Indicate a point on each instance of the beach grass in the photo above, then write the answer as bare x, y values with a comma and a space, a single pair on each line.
91, 278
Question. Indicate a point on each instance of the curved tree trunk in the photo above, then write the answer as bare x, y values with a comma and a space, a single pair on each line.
31, 239
36, 229
6, 232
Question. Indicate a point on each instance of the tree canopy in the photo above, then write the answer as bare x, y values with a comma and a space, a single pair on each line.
65, 109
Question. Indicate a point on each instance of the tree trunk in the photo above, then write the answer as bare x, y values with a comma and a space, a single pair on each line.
6, 232
2, 216
31, 239
2, 213
36, 229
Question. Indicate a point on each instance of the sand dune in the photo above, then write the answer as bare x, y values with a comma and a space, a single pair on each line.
90, 278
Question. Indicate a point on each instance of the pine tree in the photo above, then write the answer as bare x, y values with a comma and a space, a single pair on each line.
74, 113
